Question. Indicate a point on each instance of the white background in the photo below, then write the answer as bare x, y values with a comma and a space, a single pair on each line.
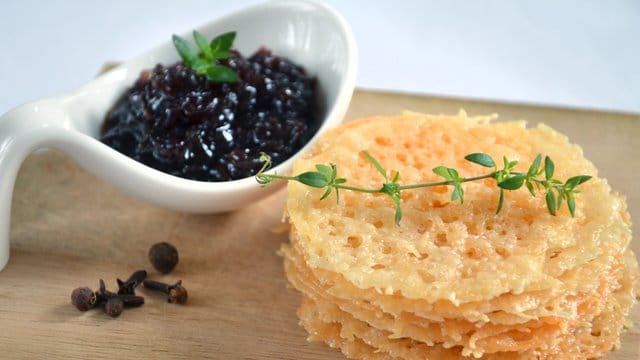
568, 53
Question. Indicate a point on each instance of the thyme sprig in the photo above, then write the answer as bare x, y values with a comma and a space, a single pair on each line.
204, 59
539, 177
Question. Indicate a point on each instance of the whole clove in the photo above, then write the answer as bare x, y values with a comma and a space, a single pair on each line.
103, 295
176, 293
131, 300
128, 286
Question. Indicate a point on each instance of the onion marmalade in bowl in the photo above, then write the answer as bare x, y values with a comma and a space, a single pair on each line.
179, 122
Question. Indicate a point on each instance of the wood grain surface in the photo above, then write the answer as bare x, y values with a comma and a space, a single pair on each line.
69, 229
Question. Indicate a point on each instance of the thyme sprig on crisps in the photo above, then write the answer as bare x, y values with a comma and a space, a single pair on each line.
539, 177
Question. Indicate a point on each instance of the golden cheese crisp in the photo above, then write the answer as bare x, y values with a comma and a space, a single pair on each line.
451, 276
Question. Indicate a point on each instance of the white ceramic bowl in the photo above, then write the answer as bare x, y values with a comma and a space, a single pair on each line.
308, 33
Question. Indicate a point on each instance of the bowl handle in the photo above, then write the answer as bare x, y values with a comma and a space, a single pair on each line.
23, 130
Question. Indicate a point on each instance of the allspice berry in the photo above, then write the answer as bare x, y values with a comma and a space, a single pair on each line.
163, 256
83, 298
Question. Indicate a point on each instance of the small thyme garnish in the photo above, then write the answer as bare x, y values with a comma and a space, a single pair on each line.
205, 61
556, 192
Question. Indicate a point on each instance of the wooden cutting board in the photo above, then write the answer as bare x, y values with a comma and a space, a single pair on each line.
69, 229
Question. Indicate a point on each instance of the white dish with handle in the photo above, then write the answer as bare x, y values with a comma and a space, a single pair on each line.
306, 32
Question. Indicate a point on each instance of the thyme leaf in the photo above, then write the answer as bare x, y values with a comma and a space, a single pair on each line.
204, 59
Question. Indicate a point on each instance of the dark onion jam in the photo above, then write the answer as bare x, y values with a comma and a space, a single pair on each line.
183, 124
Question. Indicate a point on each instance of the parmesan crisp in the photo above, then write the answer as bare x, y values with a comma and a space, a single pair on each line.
457, 280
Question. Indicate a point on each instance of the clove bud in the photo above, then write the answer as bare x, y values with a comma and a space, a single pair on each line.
176, 293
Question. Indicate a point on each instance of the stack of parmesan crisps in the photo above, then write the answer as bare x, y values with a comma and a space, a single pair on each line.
456, 280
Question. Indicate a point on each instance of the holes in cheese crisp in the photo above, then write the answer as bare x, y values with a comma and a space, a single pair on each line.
441, 239
353, 242
426, 276
439, 189
383, 141
472, 229
332, 227
421, 206
528, 218
378, 223
554, 254
319, 204
378, 267
449, 218
424, 227
473, 253
502, 252
516, 335
387, 249
439, 204
406, 195
402, 157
